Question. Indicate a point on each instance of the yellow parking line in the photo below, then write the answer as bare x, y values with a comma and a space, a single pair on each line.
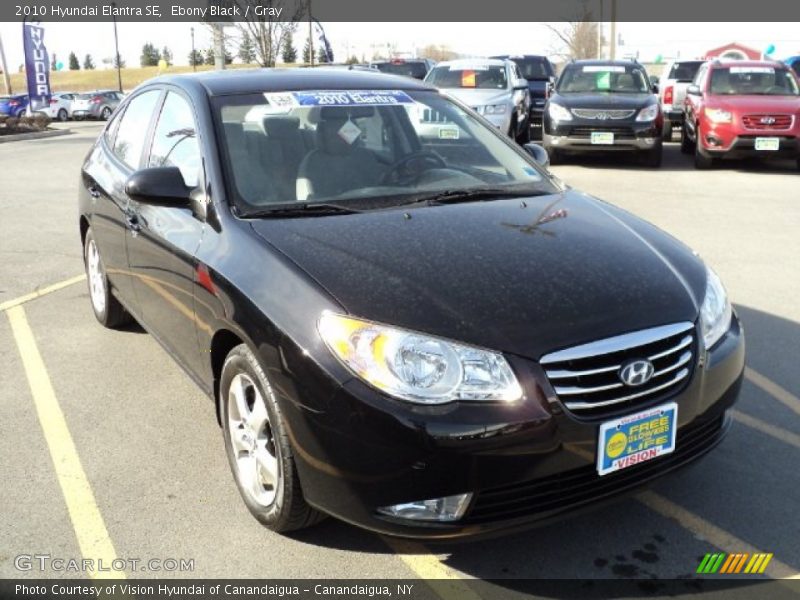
445, 582
90, 529
715, 535
41, 292
779, 434
782, 395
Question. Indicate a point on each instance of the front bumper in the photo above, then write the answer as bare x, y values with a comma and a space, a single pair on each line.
576, 135
525, 463
501, 121
721, 142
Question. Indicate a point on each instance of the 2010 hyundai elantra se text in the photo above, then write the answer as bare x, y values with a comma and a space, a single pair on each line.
404, 320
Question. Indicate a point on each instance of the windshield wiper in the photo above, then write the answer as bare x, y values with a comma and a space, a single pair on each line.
301, 210
470, 195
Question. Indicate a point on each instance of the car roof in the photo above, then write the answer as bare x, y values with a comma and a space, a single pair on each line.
465, 63
732, 62
249, 81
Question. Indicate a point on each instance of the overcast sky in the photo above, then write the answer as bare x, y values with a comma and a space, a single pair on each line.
362, 39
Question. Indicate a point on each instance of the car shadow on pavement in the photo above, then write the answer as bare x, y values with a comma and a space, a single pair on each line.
625, 539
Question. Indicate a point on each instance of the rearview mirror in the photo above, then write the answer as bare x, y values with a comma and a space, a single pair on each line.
538, 154
520, 84
693, 90
159, 186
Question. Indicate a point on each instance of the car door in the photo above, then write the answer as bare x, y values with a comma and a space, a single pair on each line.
164, 239
693, 104
113, 159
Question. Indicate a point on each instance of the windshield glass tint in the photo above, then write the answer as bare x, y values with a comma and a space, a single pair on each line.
623, 79
684, 71
533, 68
408, 69
767, 81
481, 77
337, 146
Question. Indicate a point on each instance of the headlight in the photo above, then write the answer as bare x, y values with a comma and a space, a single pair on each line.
416, 367
649, 113
715, 313
495, 109
558, 112
717, 115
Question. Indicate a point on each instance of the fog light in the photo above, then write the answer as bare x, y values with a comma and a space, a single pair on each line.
713, 140
649, 141
449, 508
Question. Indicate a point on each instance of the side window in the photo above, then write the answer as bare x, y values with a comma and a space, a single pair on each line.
132, 129
111, 129
700, 78
175, 141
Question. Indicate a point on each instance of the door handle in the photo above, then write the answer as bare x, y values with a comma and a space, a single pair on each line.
94, 192
133, 223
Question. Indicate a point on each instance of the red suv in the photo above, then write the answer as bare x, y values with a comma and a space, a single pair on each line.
742, 108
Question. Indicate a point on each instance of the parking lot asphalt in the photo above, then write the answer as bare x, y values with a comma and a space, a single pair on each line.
147, 457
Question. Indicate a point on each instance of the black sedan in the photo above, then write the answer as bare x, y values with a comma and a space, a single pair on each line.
403, 319
604, 106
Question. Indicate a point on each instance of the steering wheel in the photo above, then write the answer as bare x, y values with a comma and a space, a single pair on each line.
411, 165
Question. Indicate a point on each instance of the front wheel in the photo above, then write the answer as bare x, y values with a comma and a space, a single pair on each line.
687, 146
666, 133
653, 157
525, 135
107, 309
62, 115
702, 161
258, 448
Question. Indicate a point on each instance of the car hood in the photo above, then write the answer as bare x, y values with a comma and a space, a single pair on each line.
479, 97
621, 101
757, 104
523, 277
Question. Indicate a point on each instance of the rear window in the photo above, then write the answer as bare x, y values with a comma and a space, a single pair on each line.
534, 68
417, 70
753, 81
684, 71
483, 77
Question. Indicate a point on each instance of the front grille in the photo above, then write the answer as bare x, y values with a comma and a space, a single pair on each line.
602, 114
587, 379
569, 490
767, 122
620, 133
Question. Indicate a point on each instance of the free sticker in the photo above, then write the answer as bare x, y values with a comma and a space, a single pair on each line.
448, 133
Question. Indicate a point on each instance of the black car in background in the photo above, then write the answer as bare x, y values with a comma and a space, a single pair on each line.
403, 322
604, 106
541, 76
408, 67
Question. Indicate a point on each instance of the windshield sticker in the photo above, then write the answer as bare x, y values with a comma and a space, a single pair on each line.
349, 132
602, 68
468, 79
603, 81
281, 100
449, 133
352, 98
752, 70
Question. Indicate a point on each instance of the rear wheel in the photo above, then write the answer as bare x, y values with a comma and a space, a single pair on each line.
62, 115
107, 309
105, 114
666, 133
687, 146
258, 448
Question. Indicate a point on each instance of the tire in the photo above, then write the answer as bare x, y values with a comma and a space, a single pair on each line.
62, 115
258, 448
652, 158
702, 161
687, 146
525, 135
798, 164
107, 309
554, 155
105, 114
666, 133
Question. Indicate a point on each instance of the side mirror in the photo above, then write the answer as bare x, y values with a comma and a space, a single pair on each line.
538, 154
520, 84
159, 186
694, 90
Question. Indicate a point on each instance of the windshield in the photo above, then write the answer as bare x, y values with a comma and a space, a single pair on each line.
388, 147
587, 79
684, 72
417, 70
534, 69
481, 77
762, 81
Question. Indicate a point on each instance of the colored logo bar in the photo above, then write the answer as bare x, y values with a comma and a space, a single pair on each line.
740, 562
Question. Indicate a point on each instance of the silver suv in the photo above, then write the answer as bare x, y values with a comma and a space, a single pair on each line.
678, 75
493, 88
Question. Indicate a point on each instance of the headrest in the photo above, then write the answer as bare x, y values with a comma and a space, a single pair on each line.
281, 126
329, 140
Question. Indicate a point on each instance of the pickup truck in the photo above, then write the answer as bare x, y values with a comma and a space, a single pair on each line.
541, 76
672, 91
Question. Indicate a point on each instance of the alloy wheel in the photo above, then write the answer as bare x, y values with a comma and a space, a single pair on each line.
97, 280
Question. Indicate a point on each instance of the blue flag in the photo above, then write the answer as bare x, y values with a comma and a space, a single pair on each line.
37, 66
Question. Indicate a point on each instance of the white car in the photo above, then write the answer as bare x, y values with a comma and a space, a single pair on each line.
60, 108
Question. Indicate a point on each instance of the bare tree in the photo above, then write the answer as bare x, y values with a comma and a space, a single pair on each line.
578, 39
437, 52
268, 33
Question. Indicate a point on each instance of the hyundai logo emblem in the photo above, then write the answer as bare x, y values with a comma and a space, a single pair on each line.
768, 120
602, 116
636, 372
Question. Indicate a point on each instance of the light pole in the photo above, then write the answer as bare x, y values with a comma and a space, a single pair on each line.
194, 61
116, 46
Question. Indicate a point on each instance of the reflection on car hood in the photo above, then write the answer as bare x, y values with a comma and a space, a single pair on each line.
478, 97
520, 277
619, 101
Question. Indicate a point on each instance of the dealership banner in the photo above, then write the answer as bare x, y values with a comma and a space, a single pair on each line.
37, 66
